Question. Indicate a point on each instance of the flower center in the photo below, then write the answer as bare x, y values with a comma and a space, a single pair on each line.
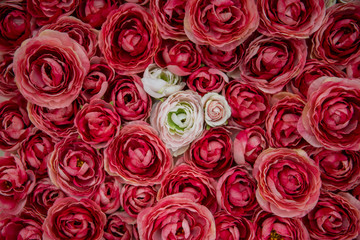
275, 236
79, 162
180, 232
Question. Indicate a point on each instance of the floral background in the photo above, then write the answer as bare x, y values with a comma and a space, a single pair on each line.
180, 119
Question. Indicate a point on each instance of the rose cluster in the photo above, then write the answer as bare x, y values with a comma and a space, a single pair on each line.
180, 119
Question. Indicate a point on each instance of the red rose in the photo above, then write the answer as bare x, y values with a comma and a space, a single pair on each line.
72, 219
230, 227
211, 153
138, 155
180, 58
8, 86
129, 39
20, 228
119, 226
223, 24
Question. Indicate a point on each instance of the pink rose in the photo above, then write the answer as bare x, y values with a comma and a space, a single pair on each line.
270, 226
8, 86
107, 196
176, 216
211, 153
129, 39
48, 11
290, 19
179, 120
224, 24
249, 106
119, 226
226, 61
50, 69
248, 144
97, 123
233, 228
16, 25
281, 121
20, 228
330, 116
35, 152
217, 110
336, 216
340, 170
76, 168
136, 198
336, 42
313, 70
270, 63
43, 196
235, 191
206, 80
69, 218
81, 32
169, 17
15, 125
95, 12
97, 80
180, 58
187, 179
138, 155
58, 123
288, 182
130, 100
16, 183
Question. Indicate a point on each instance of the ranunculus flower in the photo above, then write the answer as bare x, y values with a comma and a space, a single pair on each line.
270, 63
69, 218
48, 11
337, 40
35, 152
211, 153
58, 123
119, 226
340, 170
43, 196
95, 12
97, 123
8, 86
186, 179
134, 199
356, 192
249, 106
176, 216
233, 228
169, 16
226, 61
50, 69
288, 182
290, 19
270, 226
160, 82
15, 125
16, 183
107, 196
129, 39
248, 144
217, 110
179, 120
76, 167
223, 24
206, 80
138, 155
20, 228
282, 119
313, 70
180, 58
235, 191
334, 217
353, 69
97, 80
16, 25
129, 98
81, 32
331, 114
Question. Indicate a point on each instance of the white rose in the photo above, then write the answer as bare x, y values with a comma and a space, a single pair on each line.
217, 109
